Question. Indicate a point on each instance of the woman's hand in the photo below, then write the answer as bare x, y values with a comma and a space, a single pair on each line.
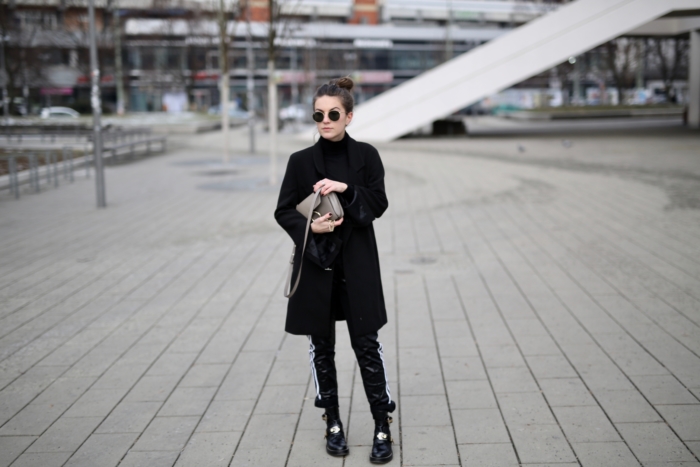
327, 186
324, 224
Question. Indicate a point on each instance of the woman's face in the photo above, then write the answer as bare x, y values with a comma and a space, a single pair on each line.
327, 128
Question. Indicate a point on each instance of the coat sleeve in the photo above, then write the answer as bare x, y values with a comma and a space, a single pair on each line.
369, 201
320, 249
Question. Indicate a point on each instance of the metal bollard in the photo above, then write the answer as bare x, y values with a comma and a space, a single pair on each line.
54, 161
64, 160
14, 184
70, 165
86, 161
34, 173
47, 163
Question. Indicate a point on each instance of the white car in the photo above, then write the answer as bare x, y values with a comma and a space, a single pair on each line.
60, 112
295, 112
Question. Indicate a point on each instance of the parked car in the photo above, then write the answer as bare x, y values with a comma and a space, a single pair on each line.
58, 112
233, 110
295, 112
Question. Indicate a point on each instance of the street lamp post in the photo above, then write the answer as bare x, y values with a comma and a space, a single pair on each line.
96, 111
5, 103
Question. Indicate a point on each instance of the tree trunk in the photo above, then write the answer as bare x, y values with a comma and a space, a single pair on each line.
272, 119
223, 66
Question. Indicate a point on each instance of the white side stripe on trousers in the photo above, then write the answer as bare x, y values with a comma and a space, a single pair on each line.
312, 354
386, 378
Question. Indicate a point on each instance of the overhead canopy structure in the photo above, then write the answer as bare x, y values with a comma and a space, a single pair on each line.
512, 58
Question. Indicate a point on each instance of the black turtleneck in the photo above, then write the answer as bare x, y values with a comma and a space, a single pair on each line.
335, 158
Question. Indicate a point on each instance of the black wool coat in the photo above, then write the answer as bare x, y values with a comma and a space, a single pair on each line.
309, 309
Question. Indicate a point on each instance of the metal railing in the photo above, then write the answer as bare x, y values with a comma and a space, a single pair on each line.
26, 167
37, 167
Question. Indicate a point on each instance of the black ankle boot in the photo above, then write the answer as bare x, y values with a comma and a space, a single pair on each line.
381, 447
335, 437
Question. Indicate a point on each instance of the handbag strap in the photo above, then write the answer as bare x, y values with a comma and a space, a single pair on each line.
288, 293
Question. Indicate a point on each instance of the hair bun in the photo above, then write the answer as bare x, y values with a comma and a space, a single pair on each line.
345, 82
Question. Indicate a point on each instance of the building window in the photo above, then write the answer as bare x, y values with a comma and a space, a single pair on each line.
37, 19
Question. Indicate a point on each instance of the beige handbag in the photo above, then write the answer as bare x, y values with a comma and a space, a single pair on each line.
312, 208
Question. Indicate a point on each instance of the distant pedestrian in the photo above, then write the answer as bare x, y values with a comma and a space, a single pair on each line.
340, 279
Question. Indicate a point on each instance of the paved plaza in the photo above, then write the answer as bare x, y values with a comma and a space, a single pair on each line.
543, 297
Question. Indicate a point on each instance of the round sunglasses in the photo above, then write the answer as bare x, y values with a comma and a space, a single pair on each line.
334, 115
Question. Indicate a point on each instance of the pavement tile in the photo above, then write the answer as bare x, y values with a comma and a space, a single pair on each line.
541, 444
429, 445
152, 388
96, 402
477, 426
605, 454
424, 411
585, 424
281, 399
150, 459
664, 389
462, 368
209, 449
33, 419
499, 356
537, 346
120, 376
694, 446
166, 434
204, 375
65, 435
421, 382
42, 459
512, 380
627, 406
684, 419
13, 446
129, 417
654, 442
475, 394
488, 455
241, 386
226, 416
259, 446
525, 408
550, 366
187, 401
566, 392
309, 449
102, 450
670, 464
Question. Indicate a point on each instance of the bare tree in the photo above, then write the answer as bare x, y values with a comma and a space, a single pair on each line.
622, 58
23, 57
279, 28
670, 57
224, 14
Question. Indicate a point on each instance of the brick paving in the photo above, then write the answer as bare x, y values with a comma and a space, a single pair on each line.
544, 303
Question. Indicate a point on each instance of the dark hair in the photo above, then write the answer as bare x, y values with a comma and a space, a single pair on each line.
341, 88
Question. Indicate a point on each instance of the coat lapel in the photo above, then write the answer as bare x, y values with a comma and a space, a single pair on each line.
318, 159
356, 161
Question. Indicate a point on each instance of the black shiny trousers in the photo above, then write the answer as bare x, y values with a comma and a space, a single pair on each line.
370, 358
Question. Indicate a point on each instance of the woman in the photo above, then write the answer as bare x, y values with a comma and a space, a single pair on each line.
341, 278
